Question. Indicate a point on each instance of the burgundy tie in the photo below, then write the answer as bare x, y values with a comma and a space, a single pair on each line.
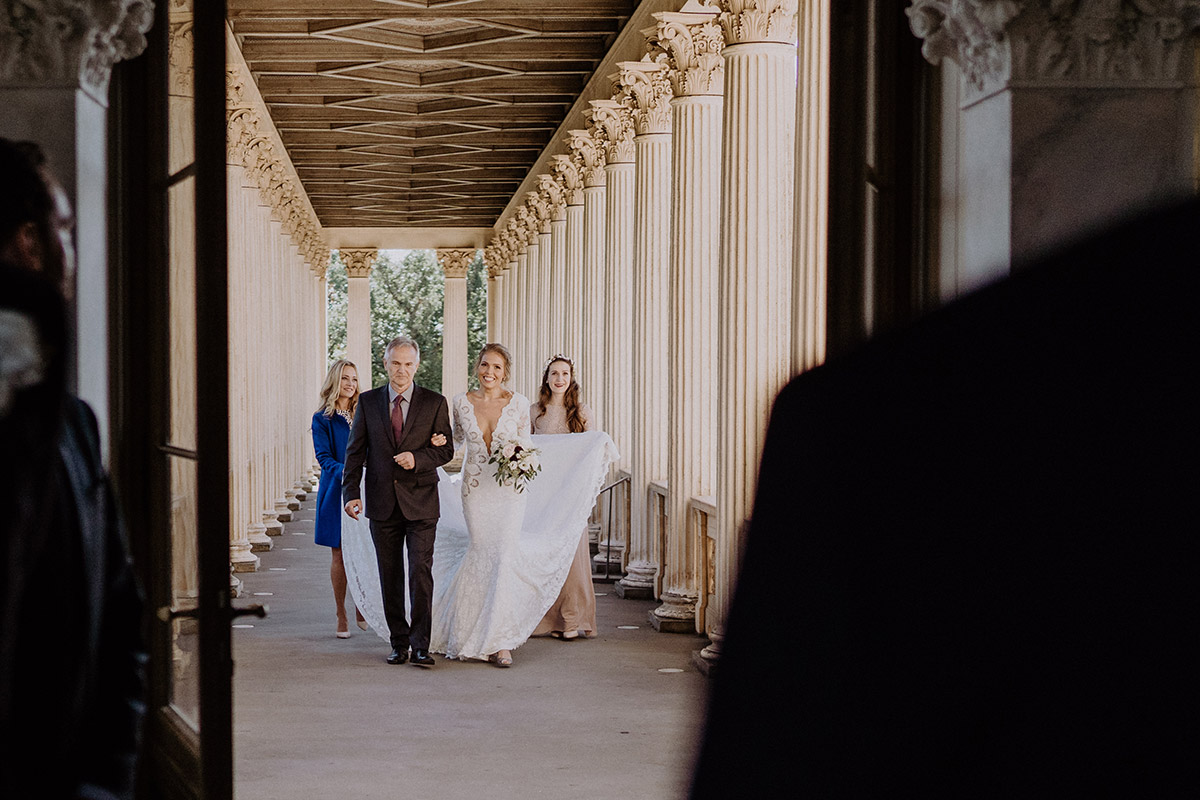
397, 419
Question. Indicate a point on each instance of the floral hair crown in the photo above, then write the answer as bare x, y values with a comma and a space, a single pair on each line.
559, 357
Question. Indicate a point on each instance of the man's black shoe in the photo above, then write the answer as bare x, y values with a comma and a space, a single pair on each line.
421, 658
399, 655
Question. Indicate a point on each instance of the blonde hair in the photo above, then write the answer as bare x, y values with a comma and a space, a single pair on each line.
500, 350
331, 389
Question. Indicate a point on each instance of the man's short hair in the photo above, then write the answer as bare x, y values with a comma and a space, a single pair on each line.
26, 196
402, 341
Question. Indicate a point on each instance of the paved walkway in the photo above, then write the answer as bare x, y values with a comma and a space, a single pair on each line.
317, 718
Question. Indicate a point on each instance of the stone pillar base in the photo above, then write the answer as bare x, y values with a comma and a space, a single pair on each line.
705, 666
283, 511
236, 586
272, 524
626, 592
290, 499
677, 614
244, 562
300, 490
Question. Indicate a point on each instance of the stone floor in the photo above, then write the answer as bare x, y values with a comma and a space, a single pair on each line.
318, 717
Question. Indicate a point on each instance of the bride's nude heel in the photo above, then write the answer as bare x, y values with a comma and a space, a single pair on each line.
499, 660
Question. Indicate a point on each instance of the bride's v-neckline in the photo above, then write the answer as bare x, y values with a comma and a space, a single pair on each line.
487, 442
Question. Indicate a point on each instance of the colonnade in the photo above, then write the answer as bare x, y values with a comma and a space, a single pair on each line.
673, 276
277, 300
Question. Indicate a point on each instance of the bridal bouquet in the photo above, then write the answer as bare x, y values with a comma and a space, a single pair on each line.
516, 464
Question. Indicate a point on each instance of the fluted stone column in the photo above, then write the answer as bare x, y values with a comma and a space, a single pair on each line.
455, 264
757, 189
613, 124
531, 372
496, 308
511, 284
812, 188
554, 294
571, 176
589, 360
693, 41
649, 89
541, 301
358, 311
516, 339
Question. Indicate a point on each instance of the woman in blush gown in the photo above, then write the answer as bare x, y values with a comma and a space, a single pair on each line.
330, 430
559, 410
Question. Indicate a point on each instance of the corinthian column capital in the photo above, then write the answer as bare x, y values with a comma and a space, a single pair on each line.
591, 156
614, 121
540, 205
456, 261
1083, 43
552, 190
646, 90
359, 262
692, 40
748, 21
70, 42
570, 176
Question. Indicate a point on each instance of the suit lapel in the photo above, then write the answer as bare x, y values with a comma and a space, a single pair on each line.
414, 407
386, 412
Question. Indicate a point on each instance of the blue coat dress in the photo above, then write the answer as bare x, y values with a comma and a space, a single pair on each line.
329, 443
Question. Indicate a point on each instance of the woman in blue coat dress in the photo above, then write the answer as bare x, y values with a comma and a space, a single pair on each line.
330, 430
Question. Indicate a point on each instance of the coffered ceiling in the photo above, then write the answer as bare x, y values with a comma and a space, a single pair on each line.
420, 113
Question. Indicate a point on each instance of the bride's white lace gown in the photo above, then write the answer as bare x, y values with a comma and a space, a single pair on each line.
500, 557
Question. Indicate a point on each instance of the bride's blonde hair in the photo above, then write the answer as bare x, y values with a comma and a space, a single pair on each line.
331, 389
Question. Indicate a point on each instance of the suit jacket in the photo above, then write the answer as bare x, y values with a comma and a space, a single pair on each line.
970, 570
371, 445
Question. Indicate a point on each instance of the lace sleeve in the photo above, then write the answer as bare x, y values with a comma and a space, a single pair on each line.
586, 417
460, 428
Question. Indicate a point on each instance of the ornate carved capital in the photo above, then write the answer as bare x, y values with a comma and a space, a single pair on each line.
541, 208
527, 224
180, 46
552, 190
359, 262
590, 154
748, 21
570, 176
1087, 43
616, 122
646, 91
456, 262
693, 41
70, 42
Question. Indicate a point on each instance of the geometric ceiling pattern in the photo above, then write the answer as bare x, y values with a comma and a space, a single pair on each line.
426, 113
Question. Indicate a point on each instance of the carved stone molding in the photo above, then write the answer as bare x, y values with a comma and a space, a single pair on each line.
253, 144
646, 90
541, 208
181, 69
456, 262
70, 42
1085, 43
590, 154
570, 176
692, 40
552, 190
493, 260
746, 21
527, 225
616, 121
359, 262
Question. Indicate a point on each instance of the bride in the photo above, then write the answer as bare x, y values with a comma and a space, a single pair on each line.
500, 555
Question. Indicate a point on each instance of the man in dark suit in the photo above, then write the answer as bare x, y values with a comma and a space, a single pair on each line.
72, 658
971, 569
393, 435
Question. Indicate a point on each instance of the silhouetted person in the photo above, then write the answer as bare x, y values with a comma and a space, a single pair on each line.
71, 653
971, 568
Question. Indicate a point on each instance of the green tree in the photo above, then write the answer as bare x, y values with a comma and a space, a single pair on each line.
476, 315
407, 299
336, 290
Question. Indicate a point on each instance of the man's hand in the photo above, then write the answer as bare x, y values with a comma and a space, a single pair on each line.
405, 460
353, 508
438, 440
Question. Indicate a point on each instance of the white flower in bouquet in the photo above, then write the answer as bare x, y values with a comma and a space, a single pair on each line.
516, 464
